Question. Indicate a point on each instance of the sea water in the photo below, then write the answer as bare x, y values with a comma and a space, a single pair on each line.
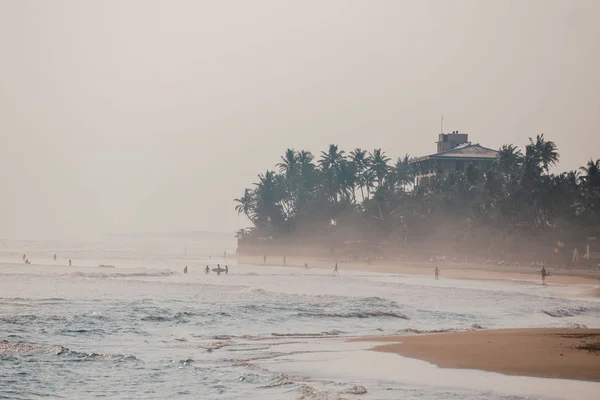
145, 330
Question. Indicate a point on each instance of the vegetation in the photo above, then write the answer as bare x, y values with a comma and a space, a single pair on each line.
364, 196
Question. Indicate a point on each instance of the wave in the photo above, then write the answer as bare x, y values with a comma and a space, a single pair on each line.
179, 317
355, 314
65, 351
7, 347
307, 335
20, 299
414, 331
105, 275
29, 318
215, 345
566, 312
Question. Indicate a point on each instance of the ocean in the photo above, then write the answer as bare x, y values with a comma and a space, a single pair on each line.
145, 330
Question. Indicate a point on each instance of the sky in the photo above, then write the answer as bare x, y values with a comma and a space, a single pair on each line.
151, 116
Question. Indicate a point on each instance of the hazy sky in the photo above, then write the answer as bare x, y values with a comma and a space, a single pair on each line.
153, 115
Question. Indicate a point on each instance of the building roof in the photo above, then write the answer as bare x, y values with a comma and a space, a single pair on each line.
466, 151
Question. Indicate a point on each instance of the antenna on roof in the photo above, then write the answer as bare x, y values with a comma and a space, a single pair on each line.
442, 124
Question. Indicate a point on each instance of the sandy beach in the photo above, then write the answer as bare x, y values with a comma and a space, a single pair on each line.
524, 273
545, 353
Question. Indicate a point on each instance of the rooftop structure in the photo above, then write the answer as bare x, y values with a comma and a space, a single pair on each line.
455, 153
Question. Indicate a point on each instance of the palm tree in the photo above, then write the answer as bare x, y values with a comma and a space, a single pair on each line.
404, 172
361, 163
289, 163
379, 165
246, 204
330, 164
332, 158
591, 177
509, 160
590, 183
548, 153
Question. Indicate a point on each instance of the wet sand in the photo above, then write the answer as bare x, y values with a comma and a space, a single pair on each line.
525, 273
545, 353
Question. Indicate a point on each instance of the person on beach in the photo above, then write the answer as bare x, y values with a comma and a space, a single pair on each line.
437, 273
185, 270
55, 257
218, 269
226, 270
265, 259
335, 269
206, 270
306, 265
69, 262
24, 257
544, 274
284, 262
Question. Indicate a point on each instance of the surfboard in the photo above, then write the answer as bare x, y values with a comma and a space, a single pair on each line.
218, 269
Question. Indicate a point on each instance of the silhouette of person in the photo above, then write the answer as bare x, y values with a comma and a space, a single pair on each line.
226, 270
544, 274
218, 269
437, 273
335, 269
185, 270
265, 259
207, 270
55, 257
284, 262
69, 262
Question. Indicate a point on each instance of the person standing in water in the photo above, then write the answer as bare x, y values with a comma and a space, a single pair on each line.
437, 273
284, 263
544, 275
206, 270
265, 259
55, 257
185, 270
24, 257
69, 262
335, 269
226, 270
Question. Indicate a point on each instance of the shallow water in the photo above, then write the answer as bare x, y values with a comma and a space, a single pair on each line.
144, 330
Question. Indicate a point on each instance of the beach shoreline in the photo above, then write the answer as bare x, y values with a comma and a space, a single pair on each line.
555, 353
454, 270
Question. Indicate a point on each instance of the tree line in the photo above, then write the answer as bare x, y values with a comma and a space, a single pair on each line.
366, 196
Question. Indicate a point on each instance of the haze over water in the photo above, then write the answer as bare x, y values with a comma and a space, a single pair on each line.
144, 330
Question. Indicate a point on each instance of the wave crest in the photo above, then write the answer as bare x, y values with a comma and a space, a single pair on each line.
356, 314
